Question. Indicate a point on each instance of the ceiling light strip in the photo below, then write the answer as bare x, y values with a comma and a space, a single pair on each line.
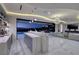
20, 14
4, 8
32, 15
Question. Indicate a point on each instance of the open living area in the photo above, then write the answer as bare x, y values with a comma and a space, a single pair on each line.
39, 28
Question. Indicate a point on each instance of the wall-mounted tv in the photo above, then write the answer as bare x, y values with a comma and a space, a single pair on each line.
72, 26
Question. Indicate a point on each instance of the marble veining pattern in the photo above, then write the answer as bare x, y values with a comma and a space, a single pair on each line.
57, 46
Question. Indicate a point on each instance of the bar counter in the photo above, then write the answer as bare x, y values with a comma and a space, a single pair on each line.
33, 42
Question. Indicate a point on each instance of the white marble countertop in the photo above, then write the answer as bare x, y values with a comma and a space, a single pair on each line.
5, 38
31, 35
74, 33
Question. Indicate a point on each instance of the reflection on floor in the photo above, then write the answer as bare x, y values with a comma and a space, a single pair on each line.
57, 46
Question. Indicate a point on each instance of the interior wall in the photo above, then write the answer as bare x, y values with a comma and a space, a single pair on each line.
78, 28
64, 27
57, 27
12, 21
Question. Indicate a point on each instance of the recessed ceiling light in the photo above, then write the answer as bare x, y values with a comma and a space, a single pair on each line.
35, 19
49, 13
77, 17
57, 15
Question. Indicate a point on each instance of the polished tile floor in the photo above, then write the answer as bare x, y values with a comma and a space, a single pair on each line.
57, 46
